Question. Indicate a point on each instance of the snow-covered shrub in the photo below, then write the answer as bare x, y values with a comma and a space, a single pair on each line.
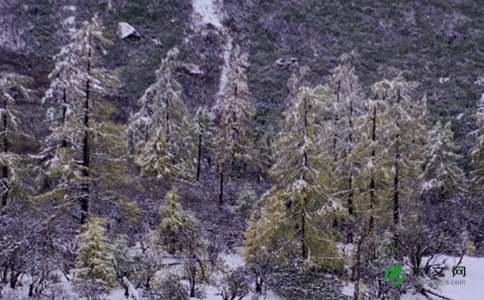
234, 284
168, 287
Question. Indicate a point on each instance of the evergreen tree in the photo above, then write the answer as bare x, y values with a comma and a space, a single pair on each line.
12, 87
371, 154
406, 135
291, 223
177, 231
442, 171
266, 229
204, 128
347, 132
95, 260
161, 133
233, 140
477, 152
179, 234
262, 161
84, 146
83, 157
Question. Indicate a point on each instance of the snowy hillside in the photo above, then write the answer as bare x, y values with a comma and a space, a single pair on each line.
241, 150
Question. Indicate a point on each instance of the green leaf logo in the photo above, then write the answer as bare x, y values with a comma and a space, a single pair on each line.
394, 274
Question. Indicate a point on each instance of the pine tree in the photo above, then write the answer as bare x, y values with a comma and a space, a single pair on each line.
262, 161
177, 231
161, 133
204, 128
477, 152
292, 219
405, 136
370, 152
233, 140
12, 88
95, 260
349, 109
442, 171
84, 145
179, 234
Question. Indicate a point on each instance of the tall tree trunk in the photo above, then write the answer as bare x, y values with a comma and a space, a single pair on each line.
396, 178
5, 142
64, 115
356, 268
350, 166
193, 281
304, 250
199, 159
350, 205
167, 121
221, 188
85, 187
372, 179
336, 120
31, 289
335, 139
259, 282
350, 148
14, 276
396, 185
305, 167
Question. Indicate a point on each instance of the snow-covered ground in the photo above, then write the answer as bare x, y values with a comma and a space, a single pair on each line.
470, 287
210, 12
207, 12
233, 261
226, 67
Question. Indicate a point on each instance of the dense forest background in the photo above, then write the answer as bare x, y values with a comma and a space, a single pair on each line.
320, 141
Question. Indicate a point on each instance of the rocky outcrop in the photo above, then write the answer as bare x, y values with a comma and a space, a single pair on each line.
126, 30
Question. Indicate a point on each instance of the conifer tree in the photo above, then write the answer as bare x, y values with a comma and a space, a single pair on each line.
263, 151
347, 131
204, 127
233, 140
372, 178
177, 231
477, 152
291, 216
95, 260
442, 171
405, 135
266, 230
179, 234
12, 86
161, 133
84, 145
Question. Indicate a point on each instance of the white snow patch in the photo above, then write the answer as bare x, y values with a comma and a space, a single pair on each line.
69, 21
70, 8
125, 30
233, 260
212, 293
470, 288
207, 12
443, 80
226, 67
210, 12
479, 80
116, 294
348, 289
70, 24
428, 185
